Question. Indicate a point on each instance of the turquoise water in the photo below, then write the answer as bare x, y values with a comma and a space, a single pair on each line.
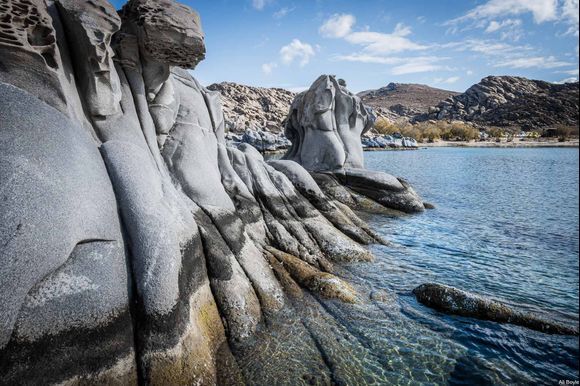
506, 226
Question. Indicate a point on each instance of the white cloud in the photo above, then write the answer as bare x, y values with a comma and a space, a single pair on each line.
377, 43
492, 48
469, 72
415, 67
417, 64
570, 14
573, 72
296, 50
260, 4
267, 68
568, 80
533, 62
508, 29
282, 12
337, 26
363, 58
450, 80
542, 10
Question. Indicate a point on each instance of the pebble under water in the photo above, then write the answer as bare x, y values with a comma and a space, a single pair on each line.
505, 226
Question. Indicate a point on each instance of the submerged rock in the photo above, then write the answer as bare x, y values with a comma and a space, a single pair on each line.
457, 302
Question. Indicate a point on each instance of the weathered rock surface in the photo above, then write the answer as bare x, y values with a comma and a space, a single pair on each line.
511, 101
325, 124
457, 302
264, 141
135, 245
253, 108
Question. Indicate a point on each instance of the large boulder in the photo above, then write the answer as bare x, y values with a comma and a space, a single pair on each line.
458, 302
325, 124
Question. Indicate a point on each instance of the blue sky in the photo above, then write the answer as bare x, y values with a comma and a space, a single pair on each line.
446, 44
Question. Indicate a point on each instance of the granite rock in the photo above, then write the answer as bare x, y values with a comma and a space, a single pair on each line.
325, 124
457, 302
136, 245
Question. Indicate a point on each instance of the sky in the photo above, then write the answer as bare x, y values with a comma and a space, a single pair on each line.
449, 44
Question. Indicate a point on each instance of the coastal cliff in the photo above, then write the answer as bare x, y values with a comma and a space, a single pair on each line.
136, 246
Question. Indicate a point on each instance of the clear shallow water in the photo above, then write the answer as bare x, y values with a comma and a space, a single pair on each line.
506, 226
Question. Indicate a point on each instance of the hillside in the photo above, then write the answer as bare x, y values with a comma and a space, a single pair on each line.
511, 101
503, 101
404, 99
255, 108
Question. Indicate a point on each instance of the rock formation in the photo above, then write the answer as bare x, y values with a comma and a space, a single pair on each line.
457, 302
135, 245
325, 124
253, 108
511, 101
403, 100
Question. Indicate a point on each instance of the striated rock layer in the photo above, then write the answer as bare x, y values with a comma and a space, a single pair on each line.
136, 247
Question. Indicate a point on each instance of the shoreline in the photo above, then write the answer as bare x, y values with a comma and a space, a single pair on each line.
519, 144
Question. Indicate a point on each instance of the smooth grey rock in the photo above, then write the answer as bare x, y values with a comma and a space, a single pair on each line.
325, 124
166, 217
457, 302
384, 188
51, 173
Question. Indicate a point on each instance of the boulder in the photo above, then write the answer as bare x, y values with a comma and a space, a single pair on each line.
454, 301
325, 125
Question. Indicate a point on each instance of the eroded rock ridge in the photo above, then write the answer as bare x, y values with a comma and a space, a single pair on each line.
136, 247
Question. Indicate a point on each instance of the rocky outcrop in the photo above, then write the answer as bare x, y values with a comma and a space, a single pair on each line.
382, 141
264, 141
253, 108
457, 302
136, 246
325, 124
511, 101
403, 100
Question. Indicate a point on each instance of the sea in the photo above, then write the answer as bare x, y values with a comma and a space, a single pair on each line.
505, 225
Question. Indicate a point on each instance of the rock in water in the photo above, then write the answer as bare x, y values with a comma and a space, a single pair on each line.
135, 245
457, 302
325, 124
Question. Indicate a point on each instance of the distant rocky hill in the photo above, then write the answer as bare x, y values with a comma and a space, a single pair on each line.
511, 101
254, 108
504, 101
404, 99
